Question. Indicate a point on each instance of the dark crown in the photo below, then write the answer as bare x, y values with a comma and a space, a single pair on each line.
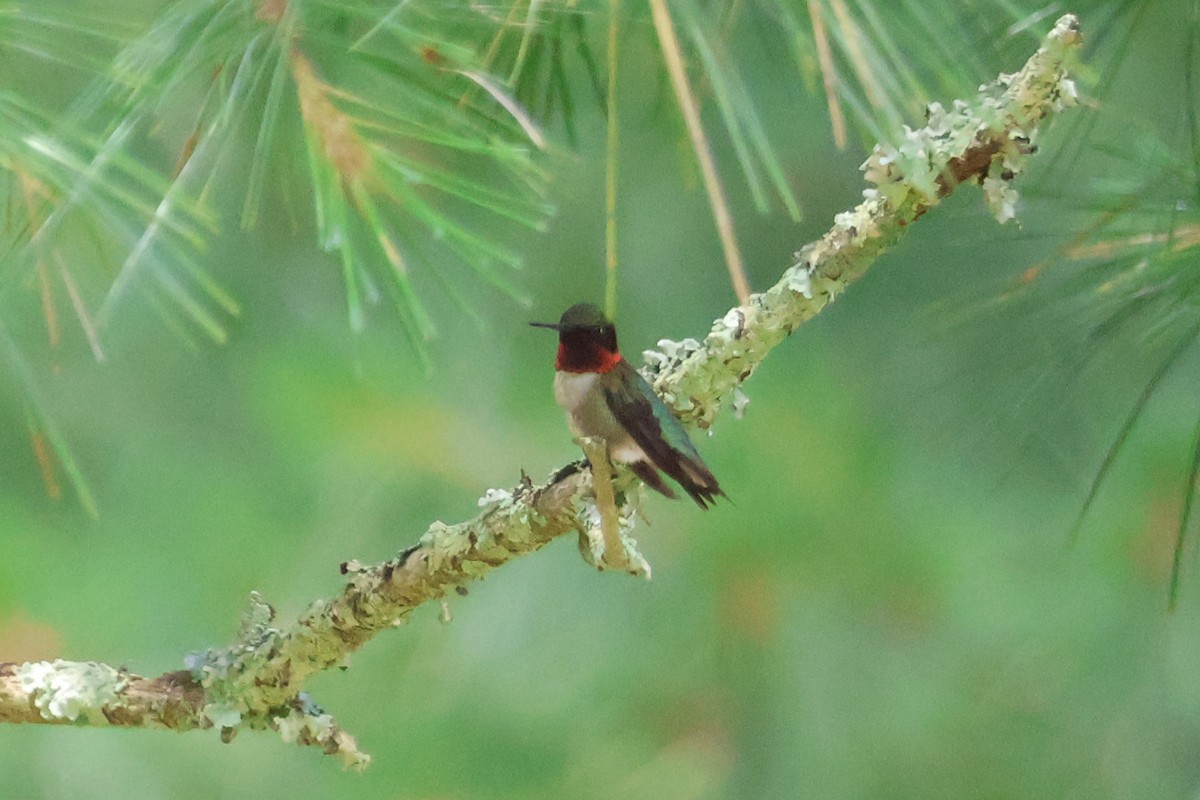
583, 315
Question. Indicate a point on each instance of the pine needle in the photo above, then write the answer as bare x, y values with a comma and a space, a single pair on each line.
612, 151
673, 56
829, 78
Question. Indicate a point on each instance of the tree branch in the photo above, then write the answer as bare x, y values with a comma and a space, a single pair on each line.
256, 682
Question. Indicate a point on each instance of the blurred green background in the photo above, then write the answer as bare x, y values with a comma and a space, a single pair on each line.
887, 608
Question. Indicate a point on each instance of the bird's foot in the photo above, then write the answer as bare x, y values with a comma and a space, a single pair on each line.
593, 544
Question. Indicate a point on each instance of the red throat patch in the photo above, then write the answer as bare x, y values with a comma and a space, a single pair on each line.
600, 361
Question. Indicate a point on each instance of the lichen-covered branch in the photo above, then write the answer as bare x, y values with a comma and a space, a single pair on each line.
66, 692
986, 142
257, 682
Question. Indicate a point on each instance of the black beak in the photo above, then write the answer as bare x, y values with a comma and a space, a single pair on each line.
551, 325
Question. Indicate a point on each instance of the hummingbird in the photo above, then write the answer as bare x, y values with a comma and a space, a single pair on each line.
604, 396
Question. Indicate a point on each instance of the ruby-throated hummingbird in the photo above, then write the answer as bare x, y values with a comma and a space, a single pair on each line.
604, 396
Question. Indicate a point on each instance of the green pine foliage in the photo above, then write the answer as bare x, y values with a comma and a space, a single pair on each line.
229, 174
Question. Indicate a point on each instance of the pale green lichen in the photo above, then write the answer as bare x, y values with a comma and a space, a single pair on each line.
69, 690
907, 178
217, 671
222, 715
255, 625
666, 360
913, 171
496, 498
472, 547
307, 724
798, 279
696, 379
510, 509
740, 401
1001, 198
592, 538
444, 544
233, 689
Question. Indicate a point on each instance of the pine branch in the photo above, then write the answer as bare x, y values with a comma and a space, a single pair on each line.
256, 683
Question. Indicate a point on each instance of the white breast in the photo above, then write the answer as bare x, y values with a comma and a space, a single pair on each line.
588, 414
571, 389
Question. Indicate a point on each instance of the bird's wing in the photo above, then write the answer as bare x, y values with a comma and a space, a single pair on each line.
658, 432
